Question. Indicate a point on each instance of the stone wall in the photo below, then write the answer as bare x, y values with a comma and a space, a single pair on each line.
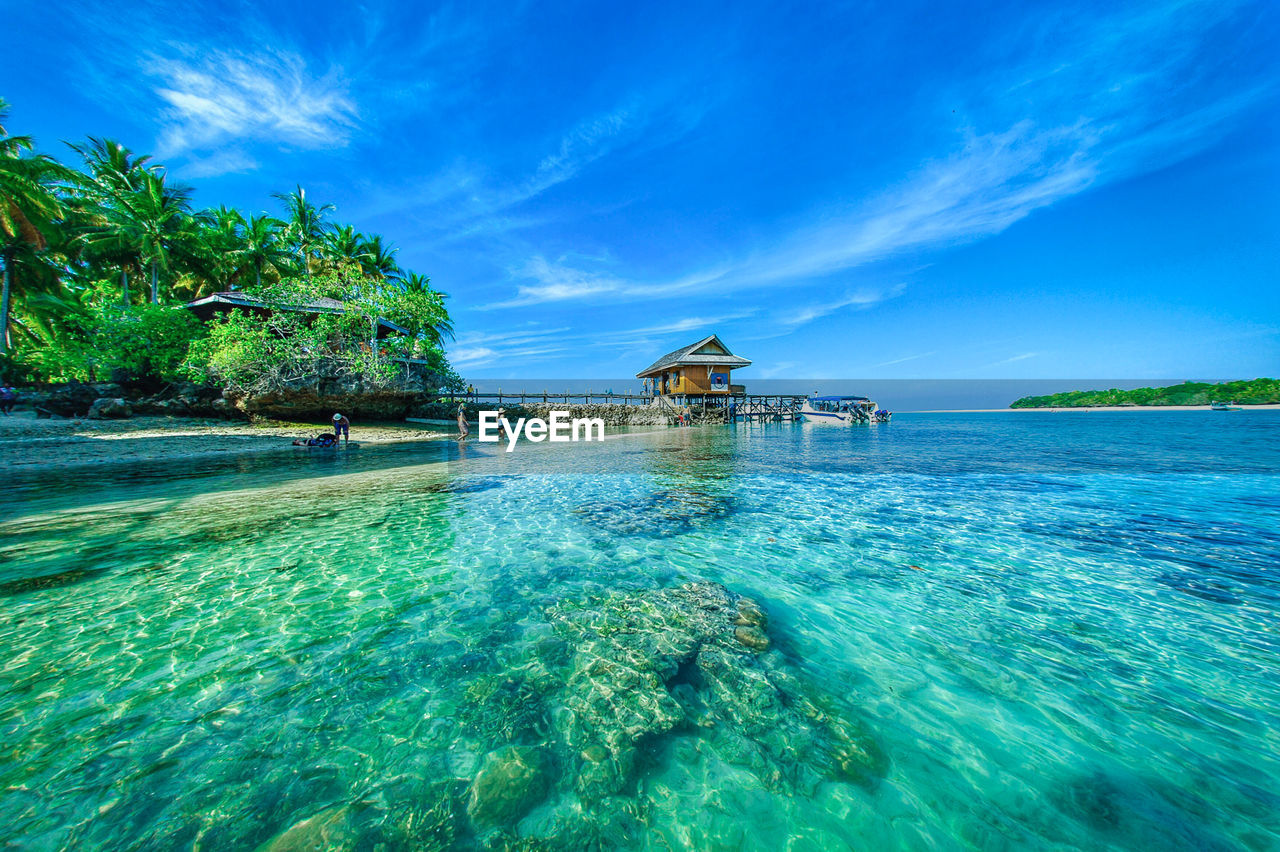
615, 414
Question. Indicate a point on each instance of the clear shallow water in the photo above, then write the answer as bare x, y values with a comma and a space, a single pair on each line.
1046, 631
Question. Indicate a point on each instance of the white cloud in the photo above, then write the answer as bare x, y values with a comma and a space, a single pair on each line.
554, 282
218, 98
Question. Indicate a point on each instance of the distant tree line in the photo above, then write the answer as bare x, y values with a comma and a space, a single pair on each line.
1254, 392
96, 256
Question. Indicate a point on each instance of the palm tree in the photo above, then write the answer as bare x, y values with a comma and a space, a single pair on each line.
217, 256
344, 244
304, 225
379, 259
264, 246
112, 165
29, 209
418, 288
138, 216
415, 283
155, 218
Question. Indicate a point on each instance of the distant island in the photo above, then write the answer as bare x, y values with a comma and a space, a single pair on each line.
1255, 392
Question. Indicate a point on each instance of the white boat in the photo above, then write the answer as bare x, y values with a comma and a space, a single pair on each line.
837, 410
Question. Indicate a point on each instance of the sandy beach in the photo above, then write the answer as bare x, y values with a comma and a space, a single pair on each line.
28, 443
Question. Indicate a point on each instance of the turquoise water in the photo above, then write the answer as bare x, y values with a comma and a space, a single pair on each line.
1001, 631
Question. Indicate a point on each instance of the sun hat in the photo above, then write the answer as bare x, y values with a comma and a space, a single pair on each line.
337, 417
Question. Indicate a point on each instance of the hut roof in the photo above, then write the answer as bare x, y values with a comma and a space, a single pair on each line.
709, 351
220, 303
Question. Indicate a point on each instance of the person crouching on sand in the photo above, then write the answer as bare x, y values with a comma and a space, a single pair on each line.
341, 427
463, 429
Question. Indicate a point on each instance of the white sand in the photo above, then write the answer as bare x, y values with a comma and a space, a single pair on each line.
28, 443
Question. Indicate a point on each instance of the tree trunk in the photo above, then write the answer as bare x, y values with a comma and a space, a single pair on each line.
155, 283
124, 284
7, 258
258, 267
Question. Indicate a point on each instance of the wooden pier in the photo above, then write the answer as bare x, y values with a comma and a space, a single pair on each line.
765, 408
733, 407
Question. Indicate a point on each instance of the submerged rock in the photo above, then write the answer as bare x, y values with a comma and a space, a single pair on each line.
669, 512
617, 686
330, 829
752, 637
505, 708
510, 782
694, 658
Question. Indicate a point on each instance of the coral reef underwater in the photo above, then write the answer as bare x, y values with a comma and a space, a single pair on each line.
555, 742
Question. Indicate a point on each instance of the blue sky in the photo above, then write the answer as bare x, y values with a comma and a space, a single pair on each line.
895, 190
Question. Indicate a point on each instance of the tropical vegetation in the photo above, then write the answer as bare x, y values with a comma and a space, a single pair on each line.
1254, 392
99, 258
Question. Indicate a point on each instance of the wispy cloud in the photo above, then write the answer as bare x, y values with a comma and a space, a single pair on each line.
992, 182
225, 162
1097, 102
905, 359
491, 348
861, 299
468, 200
511, 347
554, 281
778, 369
218, 98
1012, 360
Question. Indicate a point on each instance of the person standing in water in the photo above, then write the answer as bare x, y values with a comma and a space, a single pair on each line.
463, 429
341, 427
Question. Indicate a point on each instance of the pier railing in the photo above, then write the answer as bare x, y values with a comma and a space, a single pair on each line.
737, 406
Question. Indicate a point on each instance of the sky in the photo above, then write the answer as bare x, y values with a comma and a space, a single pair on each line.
887, 190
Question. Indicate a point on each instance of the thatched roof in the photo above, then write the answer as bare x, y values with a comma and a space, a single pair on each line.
709, 351
221, 303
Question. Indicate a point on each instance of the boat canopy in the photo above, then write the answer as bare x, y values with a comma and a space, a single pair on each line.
840, 398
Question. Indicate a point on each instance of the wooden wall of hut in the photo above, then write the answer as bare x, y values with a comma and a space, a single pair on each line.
697, 380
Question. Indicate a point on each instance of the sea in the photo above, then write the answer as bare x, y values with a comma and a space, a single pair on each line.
988, 631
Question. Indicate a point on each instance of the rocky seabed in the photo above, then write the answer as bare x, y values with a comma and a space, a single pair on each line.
554, 752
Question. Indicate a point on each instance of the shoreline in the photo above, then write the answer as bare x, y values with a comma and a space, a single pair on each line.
29, 444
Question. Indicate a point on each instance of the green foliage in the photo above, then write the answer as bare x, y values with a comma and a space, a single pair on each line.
119, 232
149, 342
324, 326
1254, 392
